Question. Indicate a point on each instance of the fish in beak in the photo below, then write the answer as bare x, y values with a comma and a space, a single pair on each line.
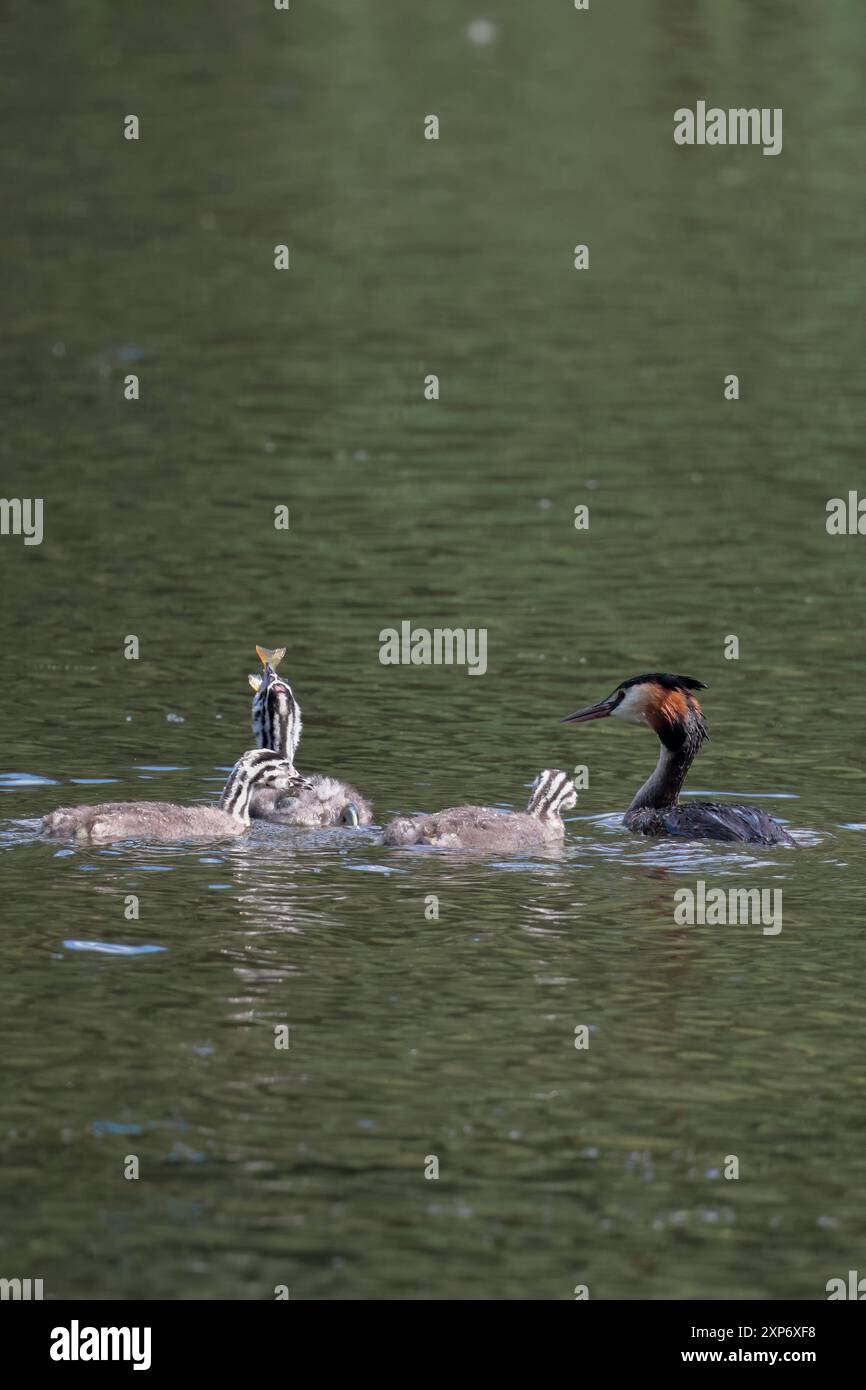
270, 658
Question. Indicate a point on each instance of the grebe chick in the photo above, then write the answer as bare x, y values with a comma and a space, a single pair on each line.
162, 820
483, 827
323, 800
666, 704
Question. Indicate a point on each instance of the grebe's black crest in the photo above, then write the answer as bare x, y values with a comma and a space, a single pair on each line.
666, 679
665, 702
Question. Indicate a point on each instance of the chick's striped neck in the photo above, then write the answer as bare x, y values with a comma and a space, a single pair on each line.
249, 772
277, 720
552, 789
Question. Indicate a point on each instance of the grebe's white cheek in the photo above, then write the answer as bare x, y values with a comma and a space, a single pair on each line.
633, 707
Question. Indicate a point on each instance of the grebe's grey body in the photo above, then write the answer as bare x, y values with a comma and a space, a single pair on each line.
485, 828
666, 703
162, 820
277, 724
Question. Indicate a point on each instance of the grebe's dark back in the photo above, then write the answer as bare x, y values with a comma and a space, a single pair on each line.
666, 703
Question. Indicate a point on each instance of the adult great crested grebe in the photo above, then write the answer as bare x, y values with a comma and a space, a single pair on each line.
667, 705
162, 820
483, 827
277, 724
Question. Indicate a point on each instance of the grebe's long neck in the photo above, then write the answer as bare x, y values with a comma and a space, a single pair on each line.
663, 785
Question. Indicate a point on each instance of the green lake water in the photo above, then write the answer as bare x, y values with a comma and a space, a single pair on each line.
410, 1037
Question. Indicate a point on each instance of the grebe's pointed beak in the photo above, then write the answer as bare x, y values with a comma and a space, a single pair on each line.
598, 711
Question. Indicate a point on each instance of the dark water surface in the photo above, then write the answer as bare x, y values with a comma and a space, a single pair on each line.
412, 1037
